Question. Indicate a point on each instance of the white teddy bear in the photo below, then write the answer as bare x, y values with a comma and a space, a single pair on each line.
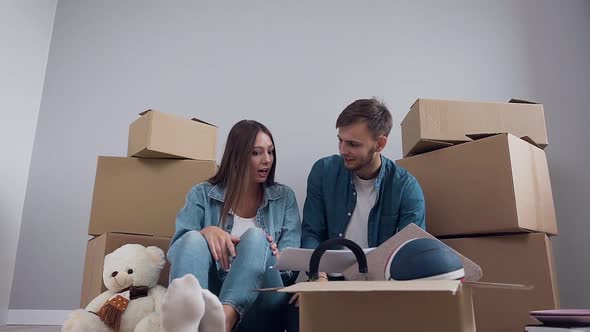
133, 299
134, 302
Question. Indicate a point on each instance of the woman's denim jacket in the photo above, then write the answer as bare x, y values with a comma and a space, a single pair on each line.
278, 214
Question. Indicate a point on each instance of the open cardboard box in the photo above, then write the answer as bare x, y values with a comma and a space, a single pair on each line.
517, 258
433, 124
498, 183
100, 246
161, 135
379, 305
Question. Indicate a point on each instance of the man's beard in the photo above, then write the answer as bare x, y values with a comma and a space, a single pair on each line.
364, 162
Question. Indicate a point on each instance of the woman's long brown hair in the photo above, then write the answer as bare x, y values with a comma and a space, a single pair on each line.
235, 163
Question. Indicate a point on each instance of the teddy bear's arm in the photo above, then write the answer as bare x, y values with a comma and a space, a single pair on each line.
157, 293
99, 301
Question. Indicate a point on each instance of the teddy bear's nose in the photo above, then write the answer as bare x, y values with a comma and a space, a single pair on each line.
114, 274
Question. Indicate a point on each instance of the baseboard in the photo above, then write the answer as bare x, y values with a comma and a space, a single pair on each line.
37, 317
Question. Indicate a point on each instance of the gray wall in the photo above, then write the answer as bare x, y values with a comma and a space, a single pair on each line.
293, 66
25, 32
557, 37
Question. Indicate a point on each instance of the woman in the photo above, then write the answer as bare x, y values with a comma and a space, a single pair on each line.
225, 234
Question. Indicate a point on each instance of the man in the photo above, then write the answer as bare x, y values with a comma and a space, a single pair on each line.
360, 194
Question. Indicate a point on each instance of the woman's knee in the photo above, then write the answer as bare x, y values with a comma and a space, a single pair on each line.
190, 242
190, 254
254, 237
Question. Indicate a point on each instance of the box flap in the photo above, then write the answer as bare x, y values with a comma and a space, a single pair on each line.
427, 145
414, 104
204, 122
521, 101
193, 119
129, 234
147, 111
530, 140
376, 286
478, 136
496, 285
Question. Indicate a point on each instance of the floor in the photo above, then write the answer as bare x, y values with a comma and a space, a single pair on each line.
22, 328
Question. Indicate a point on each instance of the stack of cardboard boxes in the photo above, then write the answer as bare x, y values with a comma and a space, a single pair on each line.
488, 195
136, 198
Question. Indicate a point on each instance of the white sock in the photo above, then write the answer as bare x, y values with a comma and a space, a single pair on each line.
214, 318
183, 305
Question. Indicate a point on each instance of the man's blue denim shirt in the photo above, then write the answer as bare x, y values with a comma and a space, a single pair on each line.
331, 198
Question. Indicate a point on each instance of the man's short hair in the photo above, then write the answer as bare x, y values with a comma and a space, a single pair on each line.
370, 111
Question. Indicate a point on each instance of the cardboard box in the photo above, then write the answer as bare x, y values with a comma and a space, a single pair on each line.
379, 305
143, 196
161, 135
498, 184
436, 305
99, 247
433, 124
521, 259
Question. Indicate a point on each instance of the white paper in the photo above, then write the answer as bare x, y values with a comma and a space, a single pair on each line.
332, 261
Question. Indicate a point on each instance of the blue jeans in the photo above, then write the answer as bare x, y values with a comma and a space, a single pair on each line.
249, 270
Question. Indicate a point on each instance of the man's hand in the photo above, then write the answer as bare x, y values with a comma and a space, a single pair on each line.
221, 244
323, 277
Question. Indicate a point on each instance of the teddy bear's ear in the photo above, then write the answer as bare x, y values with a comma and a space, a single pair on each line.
157, 256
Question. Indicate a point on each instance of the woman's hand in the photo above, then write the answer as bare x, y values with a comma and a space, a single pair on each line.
273, 247
221, 244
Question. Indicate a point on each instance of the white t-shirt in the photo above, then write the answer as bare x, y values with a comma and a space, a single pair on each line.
241, 225
358, 226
